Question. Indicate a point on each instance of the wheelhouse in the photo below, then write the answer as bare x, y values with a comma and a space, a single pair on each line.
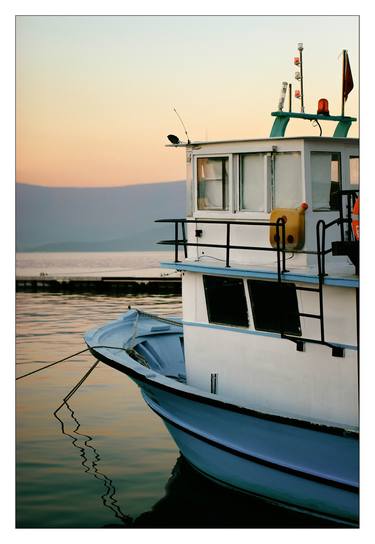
246, 180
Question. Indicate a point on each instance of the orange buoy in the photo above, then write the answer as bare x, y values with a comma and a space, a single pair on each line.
355, 219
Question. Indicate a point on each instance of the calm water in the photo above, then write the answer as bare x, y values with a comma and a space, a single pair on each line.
105, 460
88, 264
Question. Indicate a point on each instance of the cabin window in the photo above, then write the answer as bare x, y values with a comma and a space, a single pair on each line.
212, 176
275, 307
354, 170
226, 301
325, 180
252, 183
287, 184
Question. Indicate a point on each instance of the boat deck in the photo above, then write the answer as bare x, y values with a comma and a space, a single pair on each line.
338, 274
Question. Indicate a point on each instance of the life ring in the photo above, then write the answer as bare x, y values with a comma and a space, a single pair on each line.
355, 219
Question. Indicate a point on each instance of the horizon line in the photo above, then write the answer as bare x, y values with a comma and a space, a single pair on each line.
98, 186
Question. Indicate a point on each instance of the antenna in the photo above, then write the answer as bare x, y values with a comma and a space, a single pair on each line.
300, 76
284, 87
182, 123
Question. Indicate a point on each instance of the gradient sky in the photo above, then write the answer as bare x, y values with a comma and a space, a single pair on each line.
95, 94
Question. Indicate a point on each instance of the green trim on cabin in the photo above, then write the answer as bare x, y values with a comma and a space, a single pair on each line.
283, 117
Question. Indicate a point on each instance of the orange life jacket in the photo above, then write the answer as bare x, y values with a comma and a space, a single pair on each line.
355, 219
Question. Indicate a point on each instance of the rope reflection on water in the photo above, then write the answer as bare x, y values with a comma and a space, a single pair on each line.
91, 466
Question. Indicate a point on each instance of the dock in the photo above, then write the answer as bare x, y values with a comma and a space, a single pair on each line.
151, 281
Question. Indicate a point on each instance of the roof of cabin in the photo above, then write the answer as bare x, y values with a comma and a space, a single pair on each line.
276, 139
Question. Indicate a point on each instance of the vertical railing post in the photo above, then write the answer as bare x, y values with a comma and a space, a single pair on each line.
341, 214
320, 247
184, 238
228, 246
278, 223
176, 242
350, 204
324, 249
283, 230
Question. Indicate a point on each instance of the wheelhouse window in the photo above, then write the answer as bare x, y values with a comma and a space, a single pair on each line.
287, 180
275, 307
354, 170
252, 182
226, 301
212, 179
325, 180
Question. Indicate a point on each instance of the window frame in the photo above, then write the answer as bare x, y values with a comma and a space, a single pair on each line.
297, 331
301, 178
341, 181
266, 155
206, 278
213, 211
350, 184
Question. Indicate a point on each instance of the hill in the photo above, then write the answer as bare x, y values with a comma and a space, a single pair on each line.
96, 219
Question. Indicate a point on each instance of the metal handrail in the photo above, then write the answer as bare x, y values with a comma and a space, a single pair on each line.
321, 229
280, 240
321, 251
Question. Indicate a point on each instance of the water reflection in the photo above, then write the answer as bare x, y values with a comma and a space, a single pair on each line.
87, 450
191, 500
137, 446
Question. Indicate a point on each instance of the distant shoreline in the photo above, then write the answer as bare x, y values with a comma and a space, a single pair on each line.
164, 250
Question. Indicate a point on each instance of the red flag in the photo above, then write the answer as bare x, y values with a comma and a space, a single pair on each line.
347, 84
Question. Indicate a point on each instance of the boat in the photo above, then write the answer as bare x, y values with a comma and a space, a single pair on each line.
257, 383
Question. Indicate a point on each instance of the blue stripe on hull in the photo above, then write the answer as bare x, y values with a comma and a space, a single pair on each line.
245, 475
305, 468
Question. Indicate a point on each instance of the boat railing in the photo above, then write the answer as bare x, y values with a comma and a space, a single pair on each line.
346, 245
280, 239
339, 247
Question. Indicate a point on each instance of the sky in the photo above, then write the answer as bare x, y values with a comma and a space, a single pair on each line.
95, 95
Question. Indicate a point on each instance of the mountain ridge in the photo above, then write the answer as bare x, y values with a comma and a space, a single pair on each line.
96, 218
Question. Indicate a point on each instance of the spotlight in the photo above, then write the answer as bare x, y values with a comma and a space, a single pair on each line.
173, 139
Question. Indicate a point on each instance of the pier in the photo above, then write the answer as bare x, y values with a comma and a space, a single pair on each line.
150, 281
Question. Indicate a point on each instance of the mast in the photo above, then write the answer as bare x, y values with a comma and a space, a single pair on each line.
300, 48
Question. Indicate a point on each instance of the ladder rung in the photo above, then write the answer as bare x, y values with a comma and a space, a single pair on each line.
307, 289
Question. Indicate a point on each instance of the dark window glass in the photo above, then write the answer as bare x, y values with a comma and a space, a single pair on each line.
226, 301
275, 307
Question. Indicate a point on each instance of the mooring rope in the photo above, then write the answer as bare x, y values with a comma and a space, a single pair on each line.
51, 364
130, 347
77, 386
65, 359
129, 344
157, 317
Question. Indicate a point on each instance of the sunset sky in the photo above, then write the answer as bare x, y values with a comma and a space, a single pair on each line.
95, 94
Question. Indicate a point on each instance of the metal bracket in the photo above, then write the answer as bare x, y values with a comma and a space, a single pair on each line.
337, 351
300, 346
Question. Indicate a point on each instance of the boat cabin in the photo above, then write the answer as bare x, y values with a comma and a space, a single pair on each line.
270, 272
247, 180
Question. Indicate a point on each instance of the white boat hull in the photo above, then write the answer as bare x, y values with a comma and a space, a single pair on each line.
310, 470
300, 464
